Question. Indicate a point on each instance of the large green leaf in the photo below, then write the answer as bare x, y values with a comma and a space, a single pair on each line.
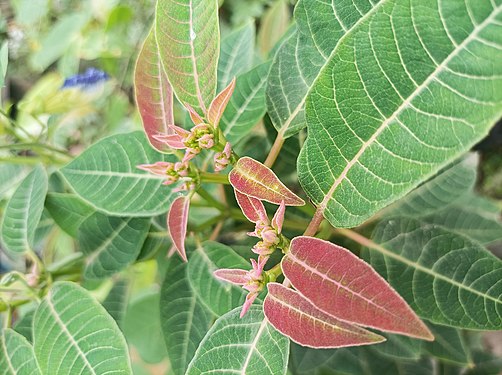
68, 211
449, 346
248, 345
116, 300
188, 38
111, 243
320, 27
11, 175
236, 54
446, 278
73, 334
405, 92
183, 318
16, 355
23, 212
247, 105
219, 296
105, 176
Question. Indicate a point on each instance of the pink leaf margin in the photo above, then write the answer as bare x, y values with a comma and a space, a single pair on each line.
177, 220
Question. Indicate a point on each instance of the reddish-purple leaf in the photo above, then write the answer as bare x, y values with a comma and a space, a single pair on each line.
219, 104
341, 284
251, 207
234, 276
294, 316
250, 177
177, 220
154, 95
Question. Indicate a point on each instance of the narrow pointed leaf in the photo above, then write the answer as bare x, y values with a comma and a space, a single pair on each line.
251, 207
248, 345
16, 355
321, 26
23, 211
187, 34
110, 243
73, 334
68, 211
217, 295
219, 104
154, 94
297, 318
183, 318
177, 220
273, 25
233, 276
106, 176
247, 105
447, 278
250, 177
422, 101
236, 54
344, 286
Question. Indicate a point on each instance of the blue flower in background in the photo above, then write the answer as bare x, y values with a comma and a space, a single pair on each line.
91, 77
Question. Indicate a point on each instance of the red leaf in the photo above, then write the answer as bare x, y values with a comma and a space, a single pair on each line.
252, 178
234, 276
251, 207
219, 104
154, 95
346, 287
294, 316
177, 220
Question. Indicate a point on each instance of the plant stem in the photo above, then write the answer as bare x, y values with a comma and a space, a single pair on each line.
314, 223
274, 272
274, 151
211, 200
214, 177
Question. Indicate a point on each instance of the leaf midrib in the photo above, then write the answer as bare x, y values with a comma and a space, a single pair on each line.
439, 68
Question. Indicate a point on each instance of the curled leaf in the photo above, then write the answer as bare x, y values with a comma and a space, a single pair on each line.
219, 104
294, 316
251, 207
346, 287
250, 177
177, 220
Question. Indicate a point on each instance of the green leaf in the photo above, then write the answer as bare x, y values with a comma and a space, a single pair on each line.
106, 177
321, 26
110, 243
188, 38
116, 300
219, 296
68, 211
399, 347
16, 355
236, 54
23, 212
183, 318
401, 110
142, 327
11, 175
274, 24
446, 278
241, 346
74, 334
448, 346
24, 324
4, 60
247, 105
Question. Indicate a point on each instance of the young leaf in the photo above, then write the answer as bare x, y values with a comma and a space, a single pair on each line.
110, 243
177, 220
68, 211
74, 334
422, 101
188, 39
106, 176
250, 177
251, 207
16, 355
219, 296
294, 316
183, 318
154, 94
446, 278
23, 211
321, 26
274, 24
236, 54
342, 285
219, 104
247, 345
247, 105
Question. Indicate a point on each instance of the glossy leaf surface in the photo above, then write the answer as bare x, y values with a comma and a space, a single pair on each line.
297, 318
241, 346
422, 101
154, 94
344, 286
177, 220
105, 176
250, 177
